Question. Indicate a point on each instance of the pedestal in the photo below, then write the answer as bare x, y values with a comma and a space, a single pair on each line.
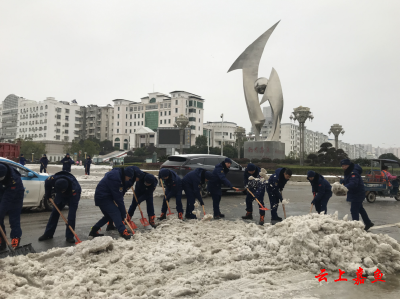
264, 149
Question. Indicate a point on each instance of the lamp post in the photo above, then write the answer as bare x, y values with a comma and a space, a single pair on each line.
32, 157
208, 140
239, 134
336, 129
301, 114
222, 142
181, 122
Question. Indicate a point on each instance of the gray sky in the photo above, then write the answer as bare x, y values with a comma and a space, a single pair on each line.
338, 57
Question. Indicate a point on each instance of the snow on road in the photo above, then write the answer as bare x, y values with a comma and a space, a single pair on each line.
197, 259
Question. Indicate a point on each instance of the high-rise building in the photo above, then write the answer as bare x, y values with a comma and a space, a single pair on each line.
99, 122
9, 117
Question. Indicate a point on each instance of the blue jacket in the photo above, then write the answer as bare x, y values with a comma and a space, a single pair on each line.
67, 162
353, 181
11, 191
320, 187
73, 191
112, 188
173, 185
44, 161
246, 175
142, 189
88, 162
192, 182
218, 178
22, 160
276, 183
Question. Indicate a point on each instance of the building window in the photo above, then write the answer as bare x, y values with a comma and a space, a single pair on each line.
118, 108
126, 109
130, 116
199, 119
134, 123
160, 122
176, 102
199, 111
142, 123
118, 115
165, 121
117, 130
130, 131
126, 123
169, 113
160, 113
130, 124
45, 107
117, 123
66, 117
169, 121
66, 110
126, 130
176, 110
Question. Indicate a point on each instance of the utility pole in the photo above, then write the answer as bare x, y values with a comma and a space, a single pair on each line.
222, 142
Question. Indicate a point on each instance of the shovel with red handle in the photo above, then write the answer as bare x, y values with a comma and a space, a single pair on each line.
262, 207
169, 210
131, 223
143, 220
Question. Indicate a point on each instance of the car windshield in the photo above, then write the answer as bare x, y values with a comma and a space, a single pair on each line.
174, 160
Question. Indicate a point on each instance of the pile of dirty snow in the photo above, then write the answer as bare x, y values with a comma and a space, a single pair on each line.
339, 190
197, 259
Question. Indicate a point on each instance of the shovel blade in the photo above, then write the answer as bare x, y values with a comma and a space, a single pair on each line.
132, 224
144, 222
170, 214
263, 209
22, 250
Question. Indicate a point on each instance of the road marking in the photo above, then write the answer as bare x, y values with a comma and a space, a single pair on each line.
386, 225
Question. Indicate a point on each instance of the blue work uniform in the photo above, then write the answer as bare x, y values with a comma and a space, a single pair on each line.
322, 192
67, 162
275, 185
88, 162
192, 185
22, 160
11, 200
144, 193
215, 183
109, 197
356, 194
173, 188
258, 190
43, 164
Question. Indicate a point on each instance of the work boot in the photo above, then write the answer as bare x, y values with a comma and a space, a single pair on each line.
125, 234
70, 240
45, 237
219, 216
368, 226
261, 222
110, 226
94, 232
15, 242
162, 217
277, 219
151, 221
2, 244
180, 216
249, 215
190, 216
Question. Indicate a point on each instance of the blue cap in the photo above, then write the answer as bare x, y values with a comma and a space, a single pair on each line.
208, 175
227, 160
345, 162
22, 155
149, 178
251, 167
3, 170
61, 185
310, 174
67, 154
164, 173
44, 155
129, 171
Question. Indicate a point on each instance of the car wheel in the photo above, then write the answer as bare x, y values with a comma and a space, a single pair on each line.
204, 191
47, 203
371, 197
397, 197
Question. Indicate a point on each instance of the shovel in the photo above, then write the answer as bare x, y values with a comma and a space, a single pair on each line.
66, 222
130, 227
169, 210
262, 207
131, 223
312, 205
23, 250
284, 210
143, 220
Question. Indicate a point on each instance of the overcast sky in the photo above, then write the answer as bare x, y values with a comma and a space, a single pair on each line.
340, 58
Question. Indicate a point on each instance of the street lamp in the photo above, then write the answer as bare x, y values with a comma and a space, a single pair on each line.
208, 140
222, 142
301, 114
336, 129
181, 122
239, 134
32, 157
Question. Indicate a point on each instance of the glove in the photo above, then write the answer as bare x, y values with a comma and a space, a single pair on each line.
313, 202
201, 202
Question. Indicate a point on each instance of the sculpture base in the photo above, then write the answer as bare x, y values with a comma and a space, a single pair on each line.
264, 149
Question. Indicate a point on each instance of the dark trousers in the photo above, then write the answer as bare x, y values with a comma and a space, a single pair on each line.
149, 204
274, 203
190, 200
111, 214
87, 169
216, 198
356, 209
42, 168
250, 199
14, 218
179, 206
55, 216
322, 205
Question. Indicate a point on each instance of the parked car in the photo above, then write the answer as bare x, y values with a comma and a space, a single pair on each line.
34, 186
182, 164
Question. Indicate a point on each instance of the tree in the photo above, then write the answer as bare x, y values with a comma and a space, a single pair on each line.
90, 147
107, 146
313, 158
29, 147
230, 151
201, 141
389, 156
328, 155
139, 152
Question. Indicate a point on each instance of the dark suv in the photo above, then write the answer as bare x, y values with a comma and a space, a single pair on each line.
182, 164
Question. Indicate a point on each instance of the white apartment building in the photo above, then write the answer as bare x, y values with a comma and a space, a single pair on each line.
153, 111
99, 122
217, 130
48, 120
9, 117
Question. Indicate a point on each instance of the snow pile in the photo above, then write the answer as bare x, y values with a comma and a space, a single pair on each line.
339, 190
285, 201
90, 178
213, 259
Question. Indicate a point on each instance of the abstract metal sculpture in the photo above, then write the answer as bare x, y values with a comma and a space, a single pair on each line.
249, 62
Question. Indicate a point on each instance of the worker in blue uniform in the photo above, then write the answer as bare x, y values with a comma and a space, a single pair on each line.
214, 185
43, 163
173, 188
67, 192
11, 200
258, 191
192, 184
356, 192
275, 185
321, 190
109, 197
144, 189
22, 160
67, 162
88, 162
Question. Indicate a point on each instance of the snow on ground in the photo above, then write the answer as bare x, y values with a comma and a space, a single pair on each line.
197, 259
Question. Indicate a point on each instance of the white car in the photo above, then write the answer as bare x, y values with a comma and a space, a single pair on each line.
34, 186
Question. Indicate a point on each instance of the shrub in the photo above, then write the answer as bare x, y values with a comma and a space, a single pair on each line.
255, 160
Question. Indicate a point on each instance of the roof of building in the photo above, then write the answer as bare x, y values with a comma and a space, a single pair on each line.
144, 130
185, 92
